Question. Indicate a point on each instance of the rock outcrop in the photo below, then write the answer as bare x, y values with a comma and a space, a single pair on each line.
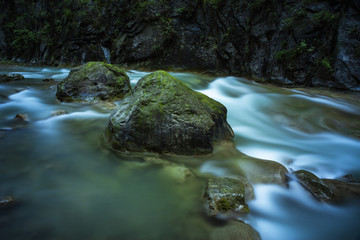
92, 82
312, 43
164, 115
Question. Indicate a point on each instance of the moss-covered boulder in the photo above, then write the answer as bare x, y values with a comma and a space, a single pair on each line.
317, 187
164, 115
226, 197
92, 82
11, 77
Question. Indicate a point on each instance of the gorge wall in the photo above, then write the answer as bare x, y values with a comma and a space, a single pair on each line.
286, 42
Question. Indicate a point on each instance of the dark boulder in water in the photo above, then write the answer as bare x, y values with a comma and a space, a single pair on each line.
164, 115
92, 82
11, 77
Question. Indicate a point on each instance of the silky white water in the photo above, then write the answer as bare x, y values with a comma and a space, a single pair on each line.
70, 186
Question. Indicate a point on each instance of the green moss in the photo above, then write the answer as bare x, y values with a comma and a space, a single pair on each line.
113, 68
290, 54
223, 205
325, 17
325, 63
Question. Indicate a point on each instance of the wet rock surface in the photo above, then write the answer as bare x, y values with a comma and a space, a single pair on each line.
342, 190
92, 82
163, 115
58, 112
226, 197
7, 202
235, 230
317, 187
22, 116
11, 77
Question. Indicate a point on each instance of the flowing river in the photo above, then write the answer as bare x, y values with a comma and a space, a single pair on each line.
70, 185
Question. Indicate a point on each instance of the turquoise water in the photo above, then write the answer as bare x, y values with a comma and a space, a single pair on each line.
70, 185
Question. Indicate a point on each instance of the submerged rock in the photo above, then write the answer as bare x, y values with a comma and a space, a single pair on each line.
10, 77
164, 115
106, 106
178, 173
21, 116
92, 82
264, 171
318, 188
58, 112
226, 197
235, 230
48, 80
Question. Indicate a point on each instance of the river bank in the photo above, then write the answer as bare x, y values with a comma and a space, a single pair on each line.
67, 181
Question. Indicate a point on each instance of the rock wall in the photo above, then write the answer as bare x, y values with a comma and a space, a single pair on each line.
287, 42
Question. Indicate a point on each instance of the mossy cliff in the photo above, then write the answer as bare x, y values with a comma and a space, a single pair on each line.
287, 42
164, 115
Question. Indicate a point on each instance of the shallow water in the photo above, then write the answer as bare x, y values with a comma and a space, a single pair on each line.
71, 186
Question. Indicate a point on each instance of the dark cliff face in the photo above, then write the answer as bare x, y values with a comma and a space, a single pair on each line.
288, 42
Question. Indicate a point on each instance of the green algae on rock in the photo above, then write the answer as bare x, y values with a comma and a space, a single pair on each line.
227, 196
164, 115
92, 82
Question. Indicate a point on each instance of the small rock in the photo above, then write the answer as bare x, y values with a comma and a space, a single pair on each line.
48, 80
235, 230
7, 202
21, 116
58, 113
318, 188
226, 197
10, 77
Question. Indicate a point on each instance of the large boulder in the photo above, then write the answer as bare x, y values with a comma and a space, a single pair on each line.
11, 77
226, 197
164, 115
92, 82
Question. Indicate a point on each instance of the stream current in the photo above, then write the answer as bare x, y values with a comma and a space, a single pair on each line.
69, 185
